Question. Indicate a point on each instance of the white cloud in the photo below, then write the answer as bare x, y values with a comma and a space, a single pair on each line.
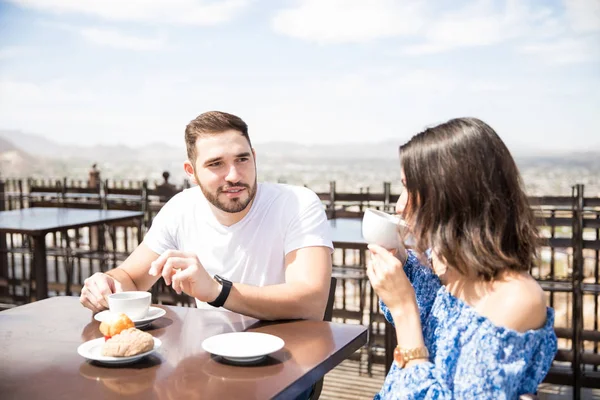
351, 21
564, 51
347, 21
110, 37
584, 15
424, 30
186, 12
478, 24
116, 39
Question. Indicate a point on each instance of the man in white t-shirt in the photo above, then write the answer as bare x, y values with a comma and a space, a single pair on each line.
262, 250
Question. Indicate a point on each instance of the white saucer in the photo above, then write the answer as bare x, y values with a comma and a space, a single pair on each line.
243, 347
92, 350
153, 313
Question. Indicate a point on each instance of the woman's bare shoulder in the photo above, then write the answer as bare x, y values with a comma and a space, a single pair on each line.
517, 302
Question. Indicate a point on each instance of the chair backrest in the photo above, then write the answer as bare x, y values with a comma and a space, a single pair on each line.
79, 195
317, 387
45, 194
330, 300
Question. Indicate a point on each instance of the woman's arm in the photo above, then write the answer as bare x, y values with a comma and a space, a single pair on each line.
494, 363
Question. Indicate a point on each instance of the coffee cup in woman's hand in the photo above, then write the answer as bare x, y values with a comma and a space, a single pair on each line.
382, 229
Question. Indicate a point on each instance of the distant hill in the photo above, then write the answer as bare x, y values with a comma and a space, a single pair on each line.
14, 161
39, 145
6, 145
354, 165
583, 159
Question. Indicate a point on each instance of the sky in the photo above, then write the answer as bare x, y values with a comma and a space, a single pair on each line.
135, 72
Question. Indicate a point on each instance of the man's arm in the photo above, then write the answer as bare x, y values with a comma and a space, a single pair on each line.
132, 274
302, 296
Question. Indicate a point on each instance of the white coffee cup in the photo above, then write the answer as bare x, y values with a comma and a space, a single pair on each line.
135, 304
382, 228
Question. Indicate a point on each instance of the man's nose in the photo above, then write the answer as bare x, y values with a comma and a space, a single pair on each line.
233, 174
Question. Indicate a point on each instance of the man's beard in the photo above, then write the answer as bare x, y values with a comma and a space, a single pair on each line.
234, 205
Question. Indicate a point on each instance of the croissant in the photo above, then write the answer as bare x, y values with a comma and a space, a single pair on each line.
115, 324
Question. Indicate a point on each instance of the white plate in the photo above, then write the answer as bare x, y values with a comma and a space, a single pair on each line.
243, 347
153, 313
92, 350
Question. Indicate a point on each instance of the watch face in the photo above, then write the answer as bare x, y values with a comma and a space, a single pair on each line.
398, 357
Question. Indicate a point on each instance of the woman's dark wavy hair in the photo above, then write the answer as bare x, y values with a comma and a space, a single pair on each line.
466, 199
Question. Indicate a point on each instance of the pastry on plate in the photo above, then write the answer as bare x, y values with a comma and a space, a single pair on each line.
122, 339
114, 324
129, 342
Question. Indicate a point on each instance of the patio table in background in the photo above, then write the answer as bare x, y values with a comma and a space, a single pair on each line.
38, 221
39, 358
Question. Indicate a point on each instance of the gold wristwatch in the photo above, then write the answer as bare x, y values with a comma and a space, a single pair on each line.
403, 356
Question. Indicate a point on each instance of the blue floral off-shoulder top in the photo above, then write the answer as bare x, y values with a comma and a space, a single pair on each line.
470, 357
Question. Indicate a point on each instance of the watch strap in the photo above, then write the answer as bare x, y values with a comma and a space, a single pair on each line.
403, 356
222, 297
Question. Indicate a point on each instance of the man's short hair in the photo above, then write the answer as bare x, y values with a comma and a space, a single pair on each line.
212, 123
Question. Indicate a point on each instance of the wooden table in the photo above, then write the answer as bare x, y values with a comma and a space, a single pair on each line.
39, 360
38, 221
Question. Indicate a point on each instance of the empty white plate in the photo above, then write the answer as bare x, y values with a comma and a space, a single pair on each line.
153, 313
92, 350
243, 347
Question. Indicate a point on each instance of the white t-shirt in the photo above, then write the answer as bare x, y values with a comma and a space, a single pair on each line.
282, 218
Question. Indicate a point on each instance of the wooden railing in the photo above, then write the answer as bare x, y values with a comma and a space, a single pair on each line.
568, 269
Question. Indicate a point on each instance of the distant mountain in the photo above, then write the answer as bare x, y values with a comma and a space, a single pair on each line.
33, 144
584, 159
386, 150
41, 146
14, 161
351, 165
7, 145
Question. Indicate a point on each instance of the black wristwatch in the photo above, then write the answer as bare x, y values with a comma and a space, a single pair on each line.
222, 297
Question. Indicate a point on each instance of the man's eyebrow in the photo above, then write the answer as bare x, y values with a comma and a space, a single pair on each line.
212, 160
215, 159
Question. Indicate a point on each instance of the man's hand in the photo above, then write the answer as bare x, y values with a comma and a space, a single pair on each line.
184, 272
95, 291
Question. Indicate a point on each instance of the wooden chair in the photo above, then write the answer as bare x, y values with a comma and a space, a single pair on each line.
44, 194
130, 199
88, 244
318, 387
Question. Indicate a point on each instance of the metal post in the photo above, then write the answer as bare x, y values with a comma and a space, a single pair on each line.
3, 246
577, 288
332, 199
387, 192
21, 196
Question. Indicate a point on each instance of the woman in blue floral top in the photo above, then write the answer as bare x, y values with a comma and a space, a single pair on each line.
471, 323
